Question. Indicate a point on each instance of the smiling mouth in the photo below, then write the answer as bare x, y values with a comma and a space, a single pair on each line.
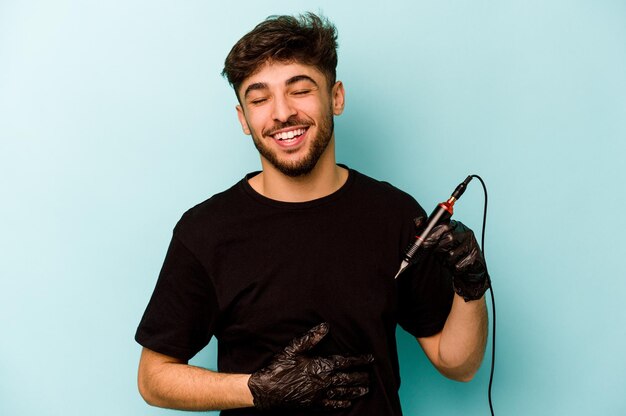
291, 135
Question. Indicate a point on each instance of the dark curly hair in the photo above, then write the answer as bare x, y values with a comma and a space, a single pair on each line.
307, 39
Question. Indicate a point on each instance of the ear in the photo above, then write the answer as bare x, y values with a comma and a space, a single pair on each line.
242, 120
339, 98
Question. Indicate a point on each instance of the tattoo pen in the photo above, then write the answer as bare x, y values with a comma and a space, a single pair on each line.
442, 213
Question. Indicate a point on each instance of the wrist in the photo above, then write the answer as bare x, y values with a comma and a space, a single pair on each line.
235, 393
471, 289
245, 392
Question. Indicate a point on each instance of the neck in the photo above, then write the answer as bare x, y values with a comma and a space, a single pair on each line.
323, 180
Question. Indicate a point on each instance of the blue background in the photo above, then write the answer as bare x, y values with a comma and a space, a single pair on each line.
114, 120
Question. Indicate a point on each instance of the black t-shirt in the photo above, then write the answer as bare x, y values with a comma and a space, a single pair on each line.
256, 272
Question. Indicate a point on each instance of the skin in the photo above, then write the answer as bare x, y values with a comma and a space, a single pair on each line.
281, 98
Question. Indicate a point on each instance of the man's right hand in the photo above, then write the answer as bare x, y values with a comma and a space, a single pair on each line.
296, 380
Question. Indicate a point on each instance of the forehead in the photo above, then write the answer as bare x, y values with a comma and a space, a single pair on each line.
276, 74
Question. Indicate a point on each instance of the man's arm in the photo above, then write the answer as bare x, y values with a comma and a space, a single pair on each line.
166, 381
457, 351
293, 379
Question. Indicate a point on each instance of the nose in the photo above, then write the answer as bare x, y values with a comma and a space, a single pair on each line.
283, 109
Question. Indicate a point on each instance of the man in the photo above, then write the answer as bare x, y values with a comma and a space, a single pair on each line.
292, 269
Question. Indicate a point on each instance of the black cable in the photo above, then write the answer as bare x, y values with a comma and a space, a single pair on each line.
493, 302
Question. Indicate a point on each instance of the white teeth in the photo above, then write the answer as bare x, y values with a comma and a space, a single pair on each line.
289, 134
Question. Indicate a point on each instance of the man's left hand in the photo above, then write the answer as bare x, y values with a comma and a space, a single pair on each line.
456, 245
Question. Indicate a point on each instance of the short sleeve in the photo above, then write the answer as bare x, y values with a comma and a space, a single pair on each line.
181, 315
425, 297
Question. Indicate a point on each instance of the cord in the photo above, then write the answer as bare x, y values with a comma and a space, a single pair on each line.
493, 302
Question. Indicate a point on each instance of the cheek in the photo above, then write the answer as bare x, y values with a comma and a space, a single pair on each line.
316, 110
256, 122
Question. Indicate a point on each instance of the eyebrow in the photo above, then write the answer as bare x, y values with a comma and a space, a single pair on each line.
299, 78
254, 87
262, 85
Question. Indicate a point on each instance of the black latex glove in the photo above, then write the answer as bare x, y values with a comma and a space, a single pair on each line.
456, 245
295, 380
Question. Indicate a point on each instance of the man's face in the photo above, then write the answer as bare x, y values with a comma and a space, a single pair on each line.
288, 109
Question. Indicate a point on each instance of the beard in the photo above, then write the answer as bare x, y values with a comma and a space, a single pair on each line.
307, 163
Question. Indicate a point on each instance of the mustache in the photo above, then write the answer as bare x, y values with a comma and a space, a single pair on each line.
292, 121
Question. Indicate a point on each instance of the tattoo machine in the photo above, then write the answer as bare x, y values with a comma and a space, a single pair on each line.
441, 213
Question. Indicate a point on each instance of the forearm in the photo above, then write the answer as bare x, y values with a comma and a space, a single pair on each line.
457, 351
463, 339
165, 382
